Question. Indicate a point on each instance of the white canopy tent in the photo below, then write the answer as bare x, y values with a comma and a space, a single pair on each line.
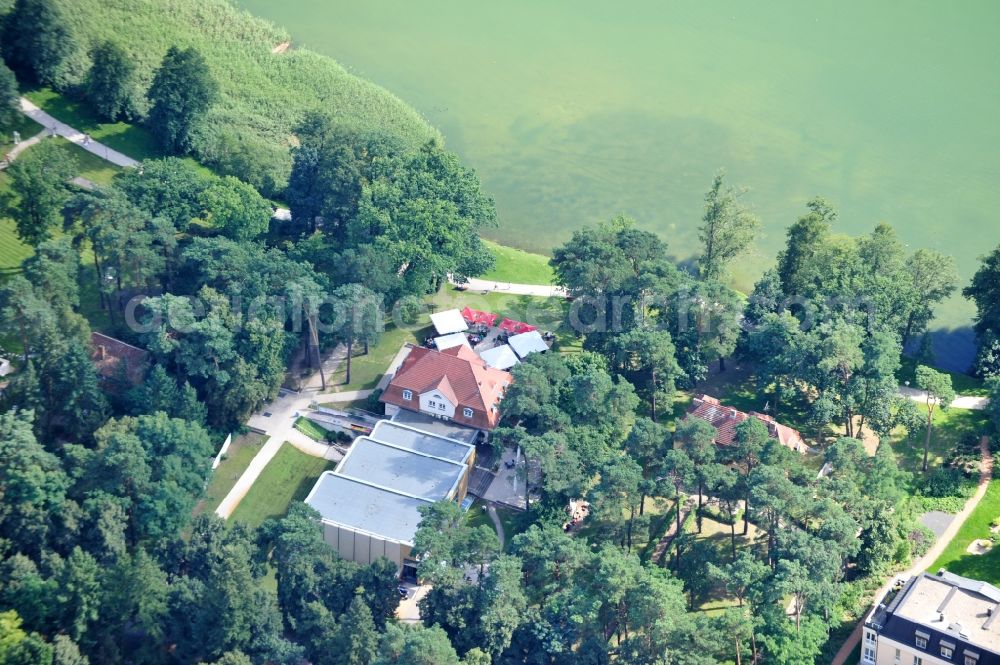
448, 322
448, 341
528, 343
500, 357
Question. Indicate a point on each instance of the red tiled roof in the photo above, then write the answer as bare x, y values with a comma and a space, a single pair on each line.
459, 374
725, 419
108, 353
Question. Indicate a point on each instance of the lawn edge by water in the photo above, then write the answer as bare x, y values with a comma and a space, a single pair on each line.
518, 266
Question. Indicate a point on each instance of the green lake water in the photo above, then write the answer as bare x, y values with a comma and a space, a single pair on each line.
574, 111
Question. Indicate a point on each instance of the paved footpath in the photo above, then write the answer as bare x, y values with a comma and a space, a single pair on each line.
960, 402
74, 135
985, 474
539, 290
21, 147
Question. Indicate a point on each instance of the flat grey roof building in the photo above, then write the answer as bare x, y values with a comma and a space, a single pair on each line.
400, 470
425, 423
364, 508
370, 504
935, 618
437, 444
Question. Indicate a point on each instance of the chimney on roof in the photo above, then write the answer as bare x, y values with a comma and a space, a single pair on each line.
941, 617
940, 572
102, 351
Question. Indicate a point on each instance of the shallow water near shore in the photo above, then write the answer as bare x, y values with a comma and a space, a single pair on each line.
574, 111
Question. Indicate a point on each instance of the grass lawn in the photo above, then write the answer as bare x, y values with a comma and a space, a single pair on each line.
12, 250
25, 125
714, 543
951, 428
234, 463
962, 383
131, 140
546, 313
366, 370
955, 558
735, 387
517, 266
89, 165
287, 478
311, 429
513, 521
477, 515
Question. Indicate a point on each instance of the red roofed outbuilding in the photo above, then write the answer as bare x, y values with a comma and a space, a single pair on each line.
114, 358
454, 384
725, 419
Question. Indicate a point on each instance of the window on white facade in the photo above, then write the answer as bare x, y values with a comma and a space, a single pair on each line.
441, 407
921, 642
467, 413
870, 638
432, 404
946, 652
407, 394
917, 660
869, 655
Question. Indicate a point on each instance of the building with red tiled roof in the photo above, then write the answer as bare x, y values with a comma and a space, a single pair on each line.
110, 355
454, 384
725, 419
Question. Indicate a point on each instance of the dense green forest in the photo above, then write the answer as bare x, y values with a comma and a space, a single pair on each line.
102, 560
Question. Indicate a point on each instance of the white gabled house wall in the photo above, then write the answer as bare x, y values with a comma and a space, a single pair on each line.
435, 404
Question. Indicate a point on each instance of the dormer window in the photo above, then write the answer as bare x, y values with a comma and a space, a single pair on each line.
407, 395
921, 640
971, 658
467, 412
947, 651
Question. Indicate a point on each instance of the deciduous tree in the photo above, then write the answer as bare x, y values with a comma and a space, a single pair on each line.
111, 82
39, 177
182, 91
727, 230
939, 393
236, 209
37, 42
10, 96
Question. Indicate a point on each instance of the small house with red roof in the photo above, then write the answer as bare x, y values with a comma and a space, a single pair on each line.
725, 419
454, 384
115, 359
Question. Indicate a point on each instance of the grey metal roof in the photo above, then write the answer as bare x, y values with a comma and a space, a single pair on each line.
400, 470
418, 441
446, 428
386, 476
366, 508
